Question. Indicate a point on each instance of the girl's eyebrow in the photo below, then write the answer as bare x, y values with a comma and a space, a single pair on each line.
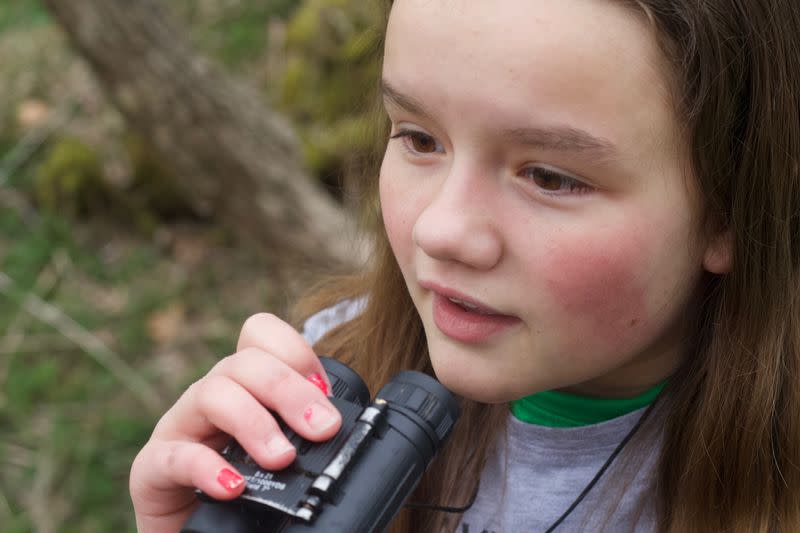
557, 138
398, 99
563, 138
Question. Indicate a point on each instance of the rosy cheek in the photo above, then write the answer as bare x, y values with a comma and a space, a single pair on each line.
596, 286
396, 221
391, 223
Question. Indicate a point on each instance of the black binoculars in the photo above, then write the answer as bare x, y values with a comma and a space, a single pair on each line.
357, 481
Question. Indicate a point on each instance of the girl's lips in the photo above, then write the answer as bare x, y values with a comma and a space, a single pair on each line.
470, 324
473, 304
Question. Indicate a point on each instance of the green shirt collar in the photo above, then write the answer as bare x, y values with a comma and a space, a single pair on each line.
563, 410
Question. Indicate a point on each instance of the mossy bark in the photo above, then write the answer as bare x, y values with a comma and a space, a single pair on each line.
234, 157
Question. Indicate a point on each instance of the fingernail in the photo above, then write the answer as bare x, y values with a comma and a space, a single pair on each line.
229, 479
319, 416
317, 380
278, 445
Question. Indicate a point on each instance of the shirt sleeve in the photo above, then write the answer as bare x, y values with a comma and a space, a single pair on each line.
325, 320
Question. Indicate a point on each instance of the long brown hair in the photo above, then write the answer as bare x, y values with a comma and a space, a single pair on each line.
731, 451
730, 424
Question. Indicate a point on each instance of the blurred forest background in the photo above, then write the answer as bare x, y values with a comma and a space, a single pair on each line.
123, 275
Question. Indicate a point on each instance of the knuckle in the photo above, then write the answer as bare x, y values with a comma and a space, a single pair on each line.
209, 384
243, 362
249, 355
259, 422
280, 378
194, 458
171, 456
222, 366
238, 365
258, 321
208, 393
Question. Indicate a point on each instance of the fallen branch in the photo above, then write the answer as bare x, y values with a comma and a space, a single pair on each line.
89, 343
15, 332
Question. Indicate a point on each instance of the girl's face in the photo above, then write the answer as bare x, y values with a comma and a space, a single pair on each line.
536, 196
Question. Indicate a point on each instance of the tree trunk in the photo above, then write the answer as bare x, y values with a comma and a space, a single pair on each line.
233, 156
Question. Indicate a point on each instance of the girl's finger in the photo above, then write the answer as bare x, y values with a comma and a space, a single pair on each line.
243, 417
295, 398
164, 474
271, 334
232, 398
163, 477
219, 405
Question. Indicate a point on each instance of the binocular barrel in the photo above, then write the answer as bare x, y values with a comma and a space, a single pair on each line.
374, 471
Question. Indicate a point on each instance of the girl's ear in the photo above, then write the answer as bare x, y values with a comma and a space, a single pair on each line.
717, 258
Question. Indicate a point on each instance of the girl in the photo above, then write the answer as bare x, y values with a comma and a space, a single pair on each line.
585, 205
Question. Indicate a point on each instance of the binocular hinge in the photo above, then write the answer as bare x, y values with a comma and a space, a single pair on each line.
322, 485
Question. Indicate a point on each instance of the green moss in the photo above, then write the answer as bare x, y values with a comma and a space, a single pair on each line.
325, 147
69, 181
331, 70
304, 25
360, 45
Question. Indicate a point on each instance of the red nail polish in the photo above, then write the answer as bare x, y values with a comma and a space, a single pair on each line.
317, 380
229, 479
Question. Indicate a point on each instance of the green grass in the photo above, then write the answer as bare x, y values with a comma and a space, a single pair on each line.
20, 14
73, 427
69, 428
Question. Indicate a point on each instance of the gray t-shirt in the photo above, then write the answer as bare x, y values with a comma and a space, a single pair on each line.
526, 485
535, 473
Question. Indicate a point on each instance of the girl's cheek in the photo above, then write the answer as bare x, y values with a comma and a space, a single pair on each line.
597, 286
396, 221
401, 203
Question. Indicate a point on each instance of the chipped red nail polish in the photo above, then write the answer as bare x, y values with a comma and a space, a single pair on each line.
229, 479
320, 416
317, 380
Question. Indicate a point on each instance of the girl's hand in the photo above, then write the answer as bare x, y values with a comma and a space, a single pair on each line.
273, 367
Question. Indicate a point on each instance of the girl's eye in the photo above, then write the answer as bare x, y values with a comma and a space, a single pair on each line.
418, 142
551, 181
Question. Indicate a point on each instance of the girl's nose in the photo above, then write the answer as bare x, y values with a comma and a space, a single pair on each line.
457, 224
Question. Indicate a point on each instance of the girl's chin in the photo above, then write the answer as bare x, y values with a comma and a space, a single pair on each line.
481, 389
481, 395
